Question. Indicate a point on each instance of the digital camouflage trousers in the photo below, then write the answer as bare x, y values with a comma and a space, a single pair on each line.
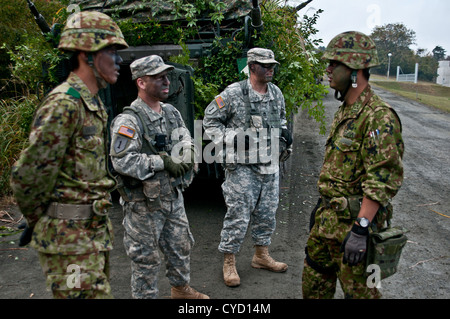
252, 200
147, 232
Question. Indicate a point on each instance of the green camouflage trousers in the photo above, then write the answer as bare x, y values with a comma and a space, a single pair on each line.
323, 248
77, 276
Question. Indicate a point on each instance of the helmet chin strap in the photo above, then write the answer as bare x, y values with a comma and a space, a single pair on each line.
352, 82
101, 83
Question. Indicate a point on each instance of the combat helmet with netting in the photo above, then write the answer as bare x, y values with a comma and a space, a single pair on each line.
91, 31
354, 49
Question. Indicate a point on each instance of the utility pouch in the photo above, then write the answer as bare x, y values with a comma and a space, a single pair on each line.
256, 122
384, 249
152, 192
160, 142
133, 194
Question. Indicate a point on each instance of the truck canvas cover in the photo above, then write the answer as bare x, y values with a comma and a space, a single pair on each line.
145, 10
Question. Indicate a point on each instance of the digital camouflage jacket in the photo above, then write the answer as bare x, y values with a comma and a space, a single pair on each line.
231, 112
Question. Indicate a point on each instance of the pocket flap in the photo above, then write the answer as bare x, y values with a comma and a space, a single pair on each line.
347, 145
389, 233
151, 188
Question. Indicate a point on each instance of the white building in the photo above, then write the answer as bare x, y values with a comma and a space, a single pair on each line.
443, 73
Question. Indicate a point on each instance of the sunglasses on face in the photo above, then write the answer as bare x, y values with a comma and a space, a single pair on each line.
267, 66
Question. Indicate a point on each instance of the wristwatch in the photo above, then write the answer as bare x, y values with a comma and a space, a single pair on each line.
363, 222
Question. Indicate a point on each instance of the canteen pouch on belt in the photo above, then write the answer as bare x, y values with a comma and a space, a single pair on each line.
384, 249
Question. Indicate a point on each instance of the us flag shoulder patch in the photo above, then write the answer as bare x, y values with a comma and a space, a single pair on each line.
220, 102
126, 131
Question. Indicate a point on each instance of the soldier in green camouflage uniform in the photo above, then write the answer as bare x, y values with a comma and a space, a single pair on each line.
251, 185
143, 139
61, 181
361, 173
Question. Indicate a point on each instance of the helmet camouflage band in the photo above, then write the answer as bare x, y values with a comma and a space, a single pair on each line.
90, 31
354, 49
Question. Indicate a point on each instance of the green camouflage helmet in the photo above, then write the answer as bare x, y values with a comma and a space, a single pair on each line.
90, 31
354, 49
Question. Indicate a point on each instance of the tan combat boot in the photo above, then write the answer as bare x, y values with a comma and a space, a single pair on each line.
262, 260
230, 275
186, 292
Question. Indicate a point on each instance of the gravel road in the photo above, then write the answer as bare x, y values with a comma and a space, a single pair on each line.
421, 206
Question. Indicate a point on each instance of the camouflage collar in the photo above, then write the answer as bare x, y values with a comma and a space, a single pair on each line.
354, 109
153, 116
258, 97
92, 101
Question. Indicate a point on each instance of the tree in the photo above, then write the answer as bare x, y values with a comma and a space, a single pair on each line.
394, 35
293, 44
439, 53
428, 68
394, 38
19, 32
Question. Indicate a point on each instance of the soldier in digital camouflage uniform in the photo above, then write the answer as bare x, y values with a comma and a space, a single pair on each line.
61, 181
251, 187
143, 138
362, 171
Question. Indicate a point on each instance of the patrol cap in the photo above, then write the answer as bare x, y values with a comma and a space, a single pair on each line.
261, 55
149, 65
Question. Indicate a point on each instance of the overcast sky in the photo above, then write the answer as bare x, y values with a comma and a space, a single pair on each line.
430, 19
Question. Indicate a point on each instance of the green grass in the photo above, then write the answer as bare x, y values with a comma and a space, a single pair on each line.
15, 119
430, 94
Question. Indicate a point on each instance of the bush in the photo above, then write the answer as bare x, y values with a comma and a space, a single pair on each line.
290, 41
15, 119
300, 64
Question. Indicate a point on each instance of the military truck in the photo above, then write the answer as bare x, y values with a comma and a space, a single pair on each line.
241, 17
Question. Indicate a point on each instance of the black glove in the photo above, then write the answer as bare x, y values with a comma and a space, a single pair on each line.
355, 245
286, 136
174, 169
27, 233
285, 155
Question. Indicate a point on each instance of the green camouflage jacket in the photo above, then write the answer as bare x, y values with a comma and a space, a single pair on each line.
364, 151
66, 162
